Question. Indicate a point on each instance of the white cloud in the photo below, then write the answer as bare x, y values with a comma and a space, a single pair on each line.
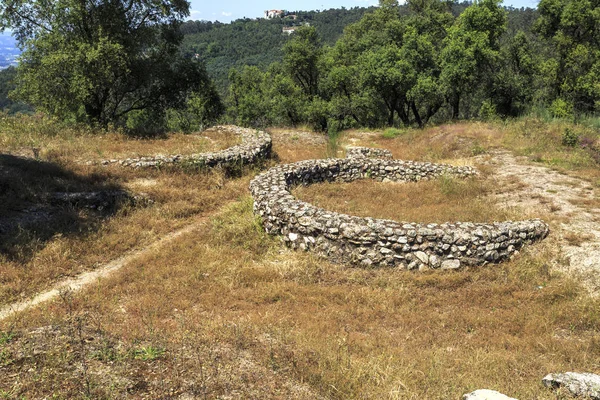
194, 14
226, 14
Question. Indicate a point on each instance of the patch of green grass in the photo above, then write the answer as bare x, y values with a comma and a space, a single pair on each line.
391, 133
333, 143
238, 226
148, 353
6, 337
478, 149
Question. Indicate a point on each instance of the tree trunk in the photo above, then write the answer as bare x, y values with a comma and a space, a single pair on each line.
455, 105
94, 115
415, 111
431, 111
403, 115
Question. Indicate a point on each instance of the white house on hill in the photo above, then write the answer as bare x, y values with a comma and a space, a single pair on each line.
270, 14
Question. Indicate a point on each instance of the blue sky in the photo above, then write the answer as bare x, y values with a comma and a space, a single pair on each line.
228, 10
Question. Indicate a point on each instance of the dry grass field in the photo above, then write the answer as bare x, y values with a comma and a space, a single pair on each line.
38, 137
225, 311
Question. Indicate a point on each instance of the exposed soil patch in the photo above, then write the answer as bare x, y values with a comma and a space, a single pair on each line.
573, 201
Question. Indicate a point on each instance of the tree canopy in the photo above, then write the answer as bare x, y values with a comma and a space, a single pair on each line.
98, 61
432, 60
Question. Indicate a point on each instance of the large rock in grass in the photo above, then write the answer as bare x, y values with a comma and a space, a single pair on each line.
485, 394
580, 385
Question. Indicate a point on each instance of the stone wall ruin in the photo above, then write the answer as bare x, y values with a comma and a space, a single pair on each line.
256, 145
367, 152
377, 242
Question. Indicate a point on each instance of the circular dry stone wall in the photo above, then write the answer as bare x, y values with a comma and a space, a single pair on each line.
377, 242
255, 146
367, 152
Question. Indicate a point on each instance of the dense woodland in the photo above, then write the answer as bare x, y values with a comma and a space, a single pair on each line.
412, 64
423, 62
257, 42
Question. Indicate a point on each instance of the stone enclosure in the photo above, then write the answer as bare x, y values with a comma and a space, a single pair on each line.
377, 242
256, 145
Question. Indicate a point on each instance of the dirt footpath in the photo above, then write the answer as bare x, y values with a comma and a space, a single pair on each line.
572, 201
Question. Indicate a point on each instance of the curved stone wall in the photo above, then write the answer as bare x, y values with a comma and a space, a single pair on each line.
367, 152
255, 145
377, 242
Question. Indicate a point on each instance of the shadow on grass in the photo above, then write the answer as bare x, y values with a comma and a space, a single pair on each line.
39, 200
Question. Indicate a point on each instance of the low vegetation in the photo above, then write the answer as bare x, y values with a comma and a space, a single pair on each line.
40, 136
443, 200
225, 310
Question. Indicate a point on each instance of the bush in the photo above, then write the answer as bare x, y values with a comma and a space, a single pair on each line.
488, 112
316, 114
146, 123
561, 109
570, 138
202, 110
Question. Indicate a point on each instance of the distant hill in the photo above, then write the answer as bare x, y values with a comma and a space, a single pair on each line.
8, 51
257, 41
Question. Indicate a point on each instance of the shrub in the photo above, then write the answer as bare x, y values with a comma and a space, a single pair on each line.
589, 144
488, 112
561, 109
570, 138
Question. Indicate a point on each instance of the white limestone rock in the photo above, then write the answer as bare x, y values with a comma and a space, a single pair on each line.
485, 394
451, 264
583, 385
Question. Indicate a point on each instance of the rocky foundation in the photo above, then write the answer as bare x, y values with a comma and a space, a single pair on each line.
367, 152
371, 242
256, 145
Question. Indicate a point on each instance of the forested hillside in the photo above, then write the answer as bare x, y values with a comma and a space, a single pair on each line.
429, 61
257, 42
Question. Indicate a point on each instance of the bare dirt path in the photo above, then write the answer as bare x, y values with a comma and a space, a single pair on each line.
80, 281
573, 201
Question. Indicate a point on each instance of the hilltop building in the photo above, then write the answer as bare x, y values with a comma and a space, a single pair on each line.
270, 14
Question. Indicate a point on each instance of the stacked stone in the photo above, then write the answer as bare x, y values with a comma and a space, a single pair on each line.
367, 152
256, 145
378, 242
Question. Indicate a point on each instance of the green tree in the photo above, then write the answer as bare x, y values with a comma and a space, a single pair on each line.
301, 59
513, 85
7, 77
98, 61
393, 58
470, 50
572, 28
247, 95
